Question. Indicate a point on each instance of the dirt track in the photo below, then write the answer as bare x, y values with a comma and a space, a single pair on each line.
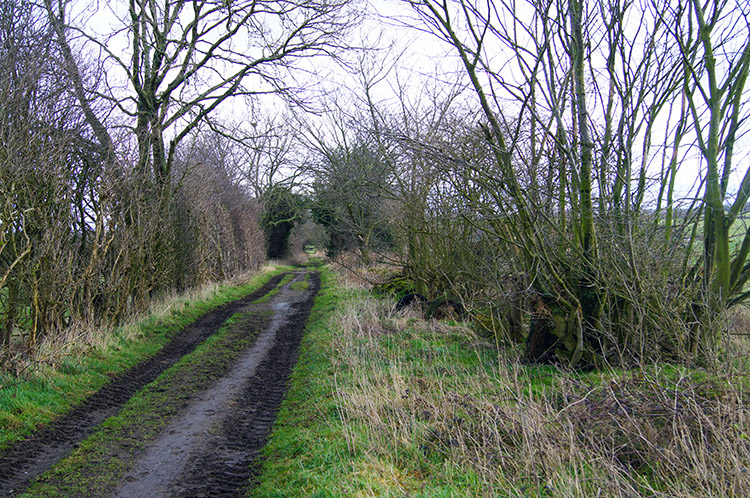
208, 448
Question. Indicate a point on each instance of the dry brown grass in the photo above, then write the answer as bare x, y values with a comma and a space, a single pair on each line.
82, 338
352, 273
430, 406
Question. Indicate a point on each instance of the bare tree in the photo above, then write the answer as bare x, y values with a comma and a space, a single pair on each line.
49, 170
570, 84
714, 44
216, 219
184, 59
269, 149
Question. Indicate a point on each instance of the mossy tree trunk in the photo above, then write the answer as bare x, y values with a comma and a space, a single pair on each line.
716, 93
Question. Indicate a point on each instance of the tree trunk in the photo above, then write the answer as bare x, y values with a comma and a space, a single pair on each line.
11, 310
555, 334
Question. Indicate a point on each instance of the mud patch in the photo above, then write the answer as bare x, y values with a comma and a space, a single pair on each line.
211, 448
225, 466
27, 459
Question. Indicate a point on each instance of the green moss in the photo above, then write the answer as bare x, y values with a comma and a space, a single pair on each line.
398, 285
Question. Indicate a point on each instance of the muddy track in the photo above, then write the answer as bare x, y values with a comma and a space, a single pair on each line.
230, 460
29, 458
212, 449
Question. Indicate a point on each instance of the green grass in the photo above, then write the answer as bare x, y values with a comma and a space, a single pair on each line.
314, 262
284, 281
301, 285
304, 454
313, 450
394, 406
53, 388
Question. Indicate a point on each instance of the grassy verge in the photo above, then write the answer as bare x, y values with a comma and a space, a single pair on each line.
305, 446
70, 372
391, 405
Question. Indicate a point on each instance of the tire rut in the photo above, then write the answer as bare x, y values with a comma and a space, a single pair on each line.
225, 466
27, 459
218, 455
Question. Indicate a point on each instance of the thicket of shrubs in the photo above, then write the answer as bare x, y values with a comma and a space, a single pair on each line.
85, 239
582, 200
93, 250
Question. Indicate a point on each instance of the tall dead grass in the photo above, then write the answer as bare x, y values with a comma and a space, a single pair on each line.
429, 401
82, 338
353, 273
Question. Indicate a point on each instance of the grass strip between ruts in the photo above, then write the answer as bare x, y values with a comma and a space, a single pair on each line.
98, 464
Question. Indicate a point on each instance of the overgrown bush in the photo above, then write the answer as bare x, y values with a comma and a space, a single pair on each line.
86, 238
